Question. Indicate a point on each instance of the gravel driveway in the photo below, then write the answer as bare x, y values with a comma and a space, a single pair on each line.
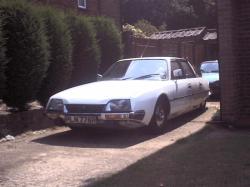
60, 157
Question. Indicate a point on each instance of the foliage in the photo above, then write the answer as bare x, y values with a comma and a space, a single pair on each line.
135, 31
27, 51
86, 53
146, 27
174, 13
3, 62
109, 40
59, 39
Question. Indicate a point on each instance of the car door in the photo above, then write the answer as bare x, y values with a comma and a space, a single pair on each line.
181, 102
193, 84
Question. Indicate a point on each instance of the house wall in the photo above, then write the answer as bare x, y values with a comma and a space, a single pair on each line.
109, 8
234, 45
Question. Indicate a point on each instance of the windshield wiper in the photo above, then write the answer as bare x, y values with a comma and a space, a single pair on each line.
143, 76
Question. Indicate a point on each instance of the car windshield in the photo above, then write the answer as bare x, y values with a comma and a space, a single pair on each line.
137, 69
209, 67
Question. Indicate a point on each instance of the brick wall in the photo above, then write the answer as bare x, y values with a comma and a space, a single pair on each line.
92, 6
234, 42
109, 8
243, 61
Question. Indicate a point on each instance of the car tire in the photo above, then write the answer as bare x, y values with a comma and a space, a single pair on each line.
158, 122
203, 107
75, 129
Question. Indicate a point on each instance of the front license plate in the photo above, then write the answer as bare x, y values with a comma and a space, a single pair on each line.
81, 119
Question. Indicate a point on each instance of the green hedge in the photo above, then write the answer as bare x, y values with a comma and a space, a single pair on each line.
27, 52
48, 52
3, 62
109, 40
86, 54
59, 39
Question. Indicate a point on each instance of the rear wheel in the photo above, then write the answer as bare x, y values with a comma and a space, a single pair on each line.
159, 119
76, 129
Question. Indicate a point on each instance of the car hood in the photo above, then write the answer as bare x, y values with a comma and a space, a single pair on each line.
211, 77
104, 91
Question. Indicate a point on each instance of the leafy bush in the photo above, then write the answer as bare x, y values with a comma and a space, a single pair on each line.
59, 39
86, 54
138, 33
27, 51
109, 40
146, 27
3, 62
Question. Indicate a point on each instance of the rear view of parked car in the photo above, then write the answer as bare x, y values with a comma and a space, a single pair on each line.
210, 72
133, 92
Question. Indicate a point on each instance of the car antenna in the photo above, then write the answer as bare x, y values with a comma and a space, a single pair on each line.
145, 47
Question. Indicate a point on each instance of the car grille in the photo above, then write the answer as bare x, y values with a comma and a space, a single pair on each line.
77, 109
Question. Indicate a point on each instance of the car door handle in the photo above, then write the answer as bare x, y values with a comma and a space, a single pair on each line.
190, 86
200, 84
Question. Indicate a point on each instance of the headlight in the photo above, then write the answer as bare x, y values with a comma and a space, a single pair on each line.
56, 105
122, 105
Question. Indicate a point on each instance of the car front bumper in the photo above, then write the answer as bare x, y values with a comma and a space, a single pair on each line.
97, 119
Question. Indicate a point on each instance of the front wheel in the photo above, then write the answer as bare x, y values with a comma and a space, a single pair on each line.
159, 119
202, 107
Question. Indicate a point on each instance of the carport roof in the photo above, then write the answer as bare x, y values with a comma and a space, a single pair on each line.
202, 32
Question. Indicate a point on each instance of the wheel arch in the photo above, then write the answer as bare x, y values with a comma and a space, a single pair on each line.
165, 99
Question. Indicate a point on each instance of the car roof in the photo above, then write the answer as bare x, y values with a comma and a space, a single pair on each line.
151, 58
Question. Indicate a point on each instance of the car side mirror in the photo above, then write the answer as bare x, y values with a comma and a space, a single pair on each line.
177, 73
99, 77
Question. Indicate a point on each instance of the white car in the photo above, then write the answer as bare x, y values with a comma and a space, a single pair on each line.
133, 92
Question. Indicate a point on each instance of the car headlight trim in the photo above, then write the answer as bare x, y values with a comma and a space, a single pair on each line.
56, 105
119, 105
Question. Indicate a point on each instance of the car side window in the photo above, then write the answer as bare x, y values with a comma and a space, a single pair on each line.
188, 71
175, 67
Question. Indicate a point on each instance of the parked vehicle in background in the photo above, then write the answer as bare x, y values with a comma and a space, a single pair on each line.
210, 72
133, 92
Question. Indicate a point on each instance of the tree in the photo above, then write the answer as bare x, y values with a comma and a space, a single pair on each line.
60, 68
146, 27
86, 53
3, 62
109, 40
27, 51
174, 13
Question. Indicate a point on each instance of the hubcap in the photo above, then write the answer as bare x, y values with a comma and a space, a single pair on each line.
159, 116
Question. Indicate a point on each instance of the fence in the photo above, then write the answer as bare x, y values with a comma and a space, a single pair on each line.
194, 50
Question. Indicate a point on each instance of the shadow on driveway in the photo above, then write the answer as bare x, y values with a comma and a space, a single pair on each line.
110, 138
215, 156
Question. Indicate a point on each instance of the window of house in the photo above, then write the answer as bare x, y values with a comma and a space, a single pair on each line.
82, 4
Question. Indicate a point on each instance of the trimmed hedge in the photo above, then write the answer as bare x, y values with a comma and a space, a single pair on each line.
3, 62
27, 51
59, 39
48, 52
86, 53
109, 40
